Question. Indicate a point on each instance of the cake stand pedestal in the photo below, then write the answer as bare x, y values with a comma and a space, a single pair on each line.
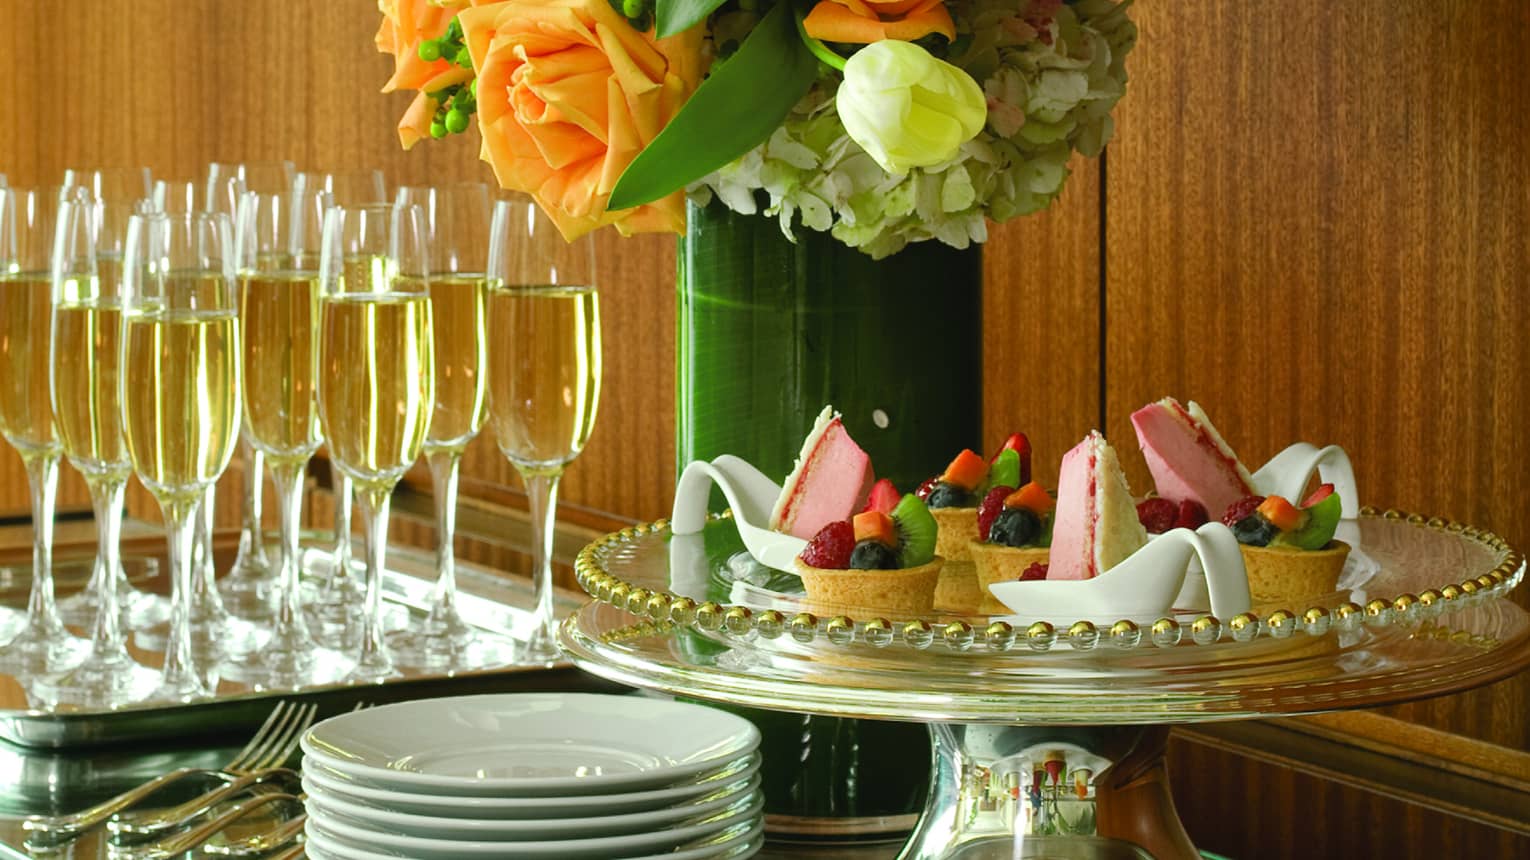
1049, 740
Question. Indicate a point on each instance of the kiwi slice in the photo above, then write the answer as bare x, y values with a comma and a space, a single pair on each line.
1322, 522
916, 531
1005, 471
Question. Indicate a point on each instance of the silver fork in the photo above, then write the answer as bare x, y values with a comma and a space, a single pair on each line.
137, 827
272, 744
180, 843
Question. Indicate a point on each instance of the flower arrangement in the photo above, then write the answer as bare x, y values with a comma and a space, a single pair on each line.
882, 122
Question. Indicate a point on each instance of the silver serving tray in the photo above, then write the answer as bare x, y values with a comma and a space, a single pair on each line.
493, 601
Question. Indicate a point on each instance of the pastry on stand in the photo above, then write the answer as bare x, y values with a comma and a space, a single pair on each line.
1000, 697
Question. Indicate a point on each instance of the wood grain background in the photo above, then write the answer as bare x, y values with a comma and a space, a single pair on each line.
1312, 220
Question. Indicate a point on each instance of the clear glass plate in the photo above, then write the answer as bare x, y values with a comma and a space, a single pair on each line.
1421, 618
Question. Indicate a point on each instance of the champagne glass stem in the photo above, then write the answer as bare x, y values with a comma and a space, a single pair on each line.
542, 493
252, 544
42, 480
343, 495
208, 601
373, 503
443, 477
181, 679
106, 500
289, 646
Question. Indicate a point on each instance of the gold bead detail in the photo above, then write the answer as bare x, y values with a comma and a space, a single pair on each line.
1486, 582
1451, 592
1125, 634
918, 634
1404, 603
1377, 608
709, 615
658, 605
840, 630
1244, 626
637, 600
1281, 623
1040, 635
878, 632
1083, 635
683, 610
804, 626
770, 624
618, 596
1166, 633
737, 620
1000, 636
1206, 629
1470, 588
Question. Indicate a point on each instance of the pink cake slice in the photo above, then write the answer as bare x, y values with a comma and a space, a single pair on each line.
829, 483
1188, 457
1095, 526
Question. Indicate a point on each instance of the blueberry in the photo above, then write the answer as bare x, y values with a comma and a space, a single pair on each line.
1015, 527
948, 496
1254, 530
873, 555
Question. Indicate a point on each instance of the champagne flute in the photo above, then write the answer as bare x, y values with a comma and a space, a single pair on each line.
27, 224
457, 231
87, 311
544, 372
250, 585
376, 375
348, 188
179, 391
114, 194
279, 329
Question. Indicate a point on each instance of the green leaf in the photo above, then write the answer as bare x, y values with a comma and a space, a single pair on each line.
677, 16
736, 108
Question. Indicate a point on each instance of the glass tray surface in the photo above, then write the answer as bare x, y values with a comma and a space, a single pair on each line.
1423, 618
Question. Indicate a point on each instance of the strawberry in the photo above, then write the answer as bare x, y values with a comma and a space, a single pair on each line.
831, 547
926, 488
884, 497
1037, 570
1022, 446
990, 508
1241, 508
1191, 515
1157, 515
1318, 495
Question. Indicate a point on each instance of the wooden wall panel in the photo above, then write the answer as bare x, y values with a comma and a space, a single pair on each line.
1316, 227
1252, 810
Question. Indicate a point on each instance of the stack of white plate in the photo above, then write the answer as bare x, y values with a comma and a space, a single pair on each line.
533, 776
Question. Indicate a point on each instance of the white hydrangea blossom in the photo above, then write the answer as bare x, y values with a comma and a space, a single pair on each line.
1049, 94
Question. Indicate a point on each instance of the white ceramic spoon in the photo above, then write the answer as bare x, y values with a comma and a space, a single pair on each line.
750, 493
1288, 473
1143, 587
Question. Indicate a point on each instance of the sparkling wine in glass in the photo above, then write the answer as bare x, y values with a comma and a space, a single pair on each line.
179, 375
457, 222
27, 225
87, 322
114, 194
544, 372
376, 376
279, 332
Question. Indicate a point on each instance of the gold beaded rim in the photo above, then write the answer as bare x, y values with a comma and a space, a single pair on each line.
666, 611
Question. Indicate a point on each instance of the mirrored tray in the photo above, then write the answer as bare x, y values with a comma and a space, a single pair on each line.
490, 600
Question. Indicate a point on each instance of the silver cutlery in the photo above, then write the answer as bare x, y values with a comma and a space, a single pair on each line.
272, 745
139, 826
180, 843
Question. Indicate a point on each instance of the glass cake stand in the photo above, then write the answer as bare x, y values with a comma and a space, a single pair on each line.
1047, 733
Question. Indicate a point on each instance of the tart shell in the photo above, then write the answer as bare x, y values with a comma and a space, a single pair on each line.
999, 563
908, 590
955, 528
1290, 576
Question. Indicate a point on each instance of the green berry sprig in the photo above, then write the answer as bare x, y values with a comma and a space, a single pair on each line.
639, 13
456, 104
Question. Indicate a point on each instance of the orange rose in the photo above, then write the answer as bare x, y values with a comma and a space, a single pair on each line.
568, 94
865, 21
405, 24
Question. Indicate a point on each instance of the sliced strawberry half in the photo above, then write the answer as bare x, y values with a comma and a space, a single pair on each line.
1318, 495
884, 497
830, 549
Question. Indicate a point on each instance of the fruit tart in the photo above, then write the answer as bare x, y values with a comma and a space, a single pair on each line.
1289, 550
882, 559
953, 495
1014, 536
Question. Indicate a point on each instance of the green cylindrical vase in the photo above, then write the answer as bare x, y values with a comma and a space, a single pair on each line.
769, 331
